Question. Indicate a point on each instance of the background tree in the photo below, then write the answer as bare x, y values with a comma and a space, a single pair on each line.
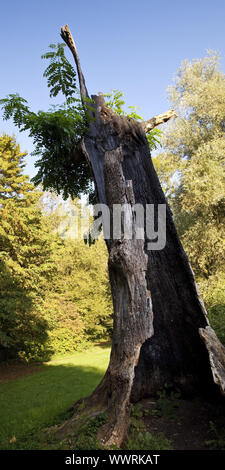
192, 172
26, 248
79, 299
53, 291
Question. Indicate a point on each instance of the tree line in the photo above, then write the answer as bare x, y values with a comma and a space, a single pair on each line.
54, 291
191, 168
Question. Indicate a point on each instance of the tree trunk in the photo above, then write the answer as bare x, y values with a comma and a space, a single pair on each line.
157, 309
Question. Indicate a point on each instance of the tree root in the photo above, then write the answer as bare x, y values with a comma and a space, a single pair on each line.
111, 397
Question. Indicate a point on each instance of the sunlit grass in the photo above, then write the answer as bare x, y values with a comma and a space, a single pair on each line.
31, 403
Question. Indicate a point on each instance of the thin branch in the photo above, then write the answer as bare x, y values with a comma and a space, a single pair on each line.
68, 38
157, 120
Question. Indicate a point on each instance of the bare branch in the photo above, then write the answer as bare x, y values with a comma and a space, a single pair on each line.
157, 120
68, 38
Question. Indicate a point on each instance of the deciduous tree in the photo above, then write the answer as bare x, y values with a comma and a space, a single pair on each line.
191, 169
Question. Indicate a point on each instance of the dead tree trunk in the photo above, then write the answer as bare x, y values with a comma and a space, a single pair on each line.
158, 313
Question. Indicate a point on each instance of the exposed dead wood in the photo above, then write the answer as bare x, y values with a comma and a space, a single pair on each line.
142, 362
216, 356
157, 120
68, 38
132, 317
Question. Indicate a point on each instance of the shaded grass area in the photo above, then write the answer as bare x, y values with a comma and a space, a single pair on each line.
31, 403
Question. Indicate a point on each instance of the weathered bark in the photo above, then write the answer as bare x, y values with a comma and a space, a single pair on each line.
157, 120
216, 353
142, 361
68, 38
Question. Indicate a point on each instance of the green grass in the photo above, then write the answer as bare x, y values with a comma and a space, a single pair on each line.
40, 400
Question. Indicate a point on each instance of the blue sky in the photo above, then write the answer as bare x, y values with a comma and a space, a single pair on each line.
134, 46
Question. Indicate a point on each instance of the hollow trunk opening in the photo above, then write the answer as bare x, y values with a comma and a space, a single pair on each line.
157, 308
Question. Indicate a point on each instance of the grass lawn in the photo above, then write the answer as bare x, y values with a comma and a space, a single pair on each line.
31, 403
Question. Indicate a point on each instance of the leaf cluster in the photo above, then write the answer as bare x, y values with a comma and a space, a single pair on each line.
115, 101
139, 438
153, 138
218, 442
56, 133
61, 76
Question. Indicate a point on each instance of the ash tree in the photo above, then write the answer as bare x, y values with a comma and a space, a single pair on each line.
161, 332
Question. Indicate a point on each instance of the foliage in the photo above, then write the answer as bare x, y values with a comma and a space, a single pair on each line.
191, 169
154, 138
65, 327
167, 402
136, 411
54, 293
147, 441
61, 76
82, 289
78, 304
139, 438
218, 442
86, 437
25, 257
57, 132
213, 294
115, 101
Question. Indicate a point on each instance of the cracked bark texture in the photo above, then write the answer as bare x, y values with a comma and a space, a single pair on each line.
158, 338
175, 354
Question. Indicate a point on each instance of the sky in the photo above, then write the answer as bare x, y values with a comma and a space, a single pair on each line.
129, 45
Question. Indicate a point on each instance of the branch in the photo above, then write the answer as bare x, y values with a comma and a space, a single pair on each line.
68, 38
157, 120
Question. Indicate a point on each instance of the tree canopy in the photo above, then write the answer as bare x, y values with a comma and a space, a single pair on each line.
25, 257
192, 171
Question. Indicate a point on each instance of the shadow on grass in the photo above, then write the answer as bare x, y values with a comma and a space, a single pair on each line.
42, 399
105, 345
